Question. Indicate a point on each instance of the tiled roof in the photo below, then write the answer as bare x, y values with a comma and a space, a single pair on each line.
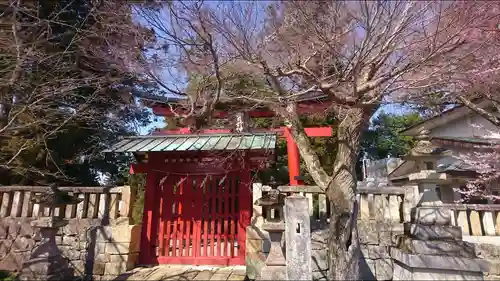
195, 142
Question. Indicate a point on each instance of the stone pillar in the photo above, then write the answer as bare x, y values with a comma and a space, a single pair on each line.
429, 195
275, 263
298, 238
257, 215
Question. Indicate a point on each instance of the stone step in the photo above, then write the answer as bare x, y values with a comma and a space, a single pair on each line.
433, 232
494, 267
443, 248
431, 216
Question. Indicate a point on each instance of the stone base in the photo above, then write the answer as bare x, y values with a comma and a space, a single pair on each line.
49, 222
433, 232
273, 273
51, 268
402, 272
438, 248
439, 216
427, 267
46, 261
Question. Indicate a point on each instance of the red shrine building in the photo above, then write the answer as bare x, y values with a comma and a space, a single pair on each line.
198, 193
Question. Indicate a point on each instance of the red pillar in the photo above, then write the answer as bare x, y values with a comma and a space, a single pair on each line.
147, 232
293, 158
245, 207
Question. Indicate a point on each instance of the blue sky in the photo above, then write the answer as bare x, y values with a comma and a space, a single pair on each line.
158, 122
390, 108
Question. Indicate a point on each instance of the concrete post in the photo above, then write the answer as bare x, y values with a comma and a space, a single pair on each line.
298, 238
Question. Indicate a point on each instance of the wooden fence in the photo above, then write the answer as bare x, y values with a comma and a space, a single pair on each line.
98, 202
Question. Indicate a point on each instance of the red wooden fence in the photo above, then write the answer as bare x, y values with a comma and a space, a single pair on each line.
202, 219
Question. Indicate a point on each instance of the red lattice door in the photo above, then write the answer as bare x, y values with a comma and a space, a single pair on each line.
203, 220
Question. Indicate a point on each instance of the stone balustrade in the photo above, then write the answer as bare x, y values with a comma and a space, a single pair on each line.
98, 202
384, 203
476, 219
319, 209
393, 204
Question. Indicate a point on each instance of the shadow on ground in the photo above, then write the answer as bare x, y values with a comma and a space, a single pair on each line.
185, 272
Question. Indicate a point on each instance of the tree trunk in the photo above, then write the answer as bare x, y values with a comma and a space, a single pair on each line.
340, 188
343, 241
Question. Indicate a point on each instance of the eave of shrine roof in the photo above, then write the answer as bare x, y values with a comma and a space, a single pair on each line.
202, 142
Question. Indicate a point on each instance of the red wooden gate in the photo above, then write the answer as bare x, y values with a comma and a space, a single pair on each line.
203, 219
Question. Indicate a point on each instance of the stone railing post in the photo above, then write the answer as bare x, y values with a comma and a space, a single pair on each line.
127, 201
257, 215
298, 238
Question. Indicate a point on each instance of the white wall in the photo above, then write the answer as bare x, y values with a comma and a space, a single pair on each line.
470, 126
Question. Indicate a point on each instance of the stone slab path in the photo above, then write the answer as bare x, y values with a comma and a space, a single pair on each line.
185, 272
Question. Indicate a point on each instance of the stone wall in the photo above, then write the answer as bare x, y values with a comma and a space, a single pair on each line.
257, 249
490, 253
92, 249
319, 255
257, 240
115, 251
98, 240
376, 239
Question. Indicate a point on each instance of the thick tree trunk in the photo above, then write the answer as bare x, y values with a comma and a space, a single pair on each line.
343, 239
340, 188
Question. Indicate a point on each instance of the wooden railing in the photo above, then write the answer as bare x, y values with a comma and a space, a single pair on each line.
98, 202
476, 219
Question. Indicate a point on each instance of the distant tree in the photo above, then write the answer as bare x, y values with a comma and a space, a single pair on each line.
383, 138
65, 83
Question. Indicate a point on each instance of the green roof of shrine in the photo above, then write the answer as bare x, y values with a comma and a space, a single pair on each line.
206, 142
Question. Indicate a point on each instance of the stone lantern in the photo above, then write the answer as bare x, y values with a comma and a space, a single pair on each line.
275, 268
426, 155
46, 261
431, 247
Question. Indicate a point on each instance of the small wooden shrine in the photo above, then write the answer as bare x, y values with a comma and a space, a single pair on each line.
197, 201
